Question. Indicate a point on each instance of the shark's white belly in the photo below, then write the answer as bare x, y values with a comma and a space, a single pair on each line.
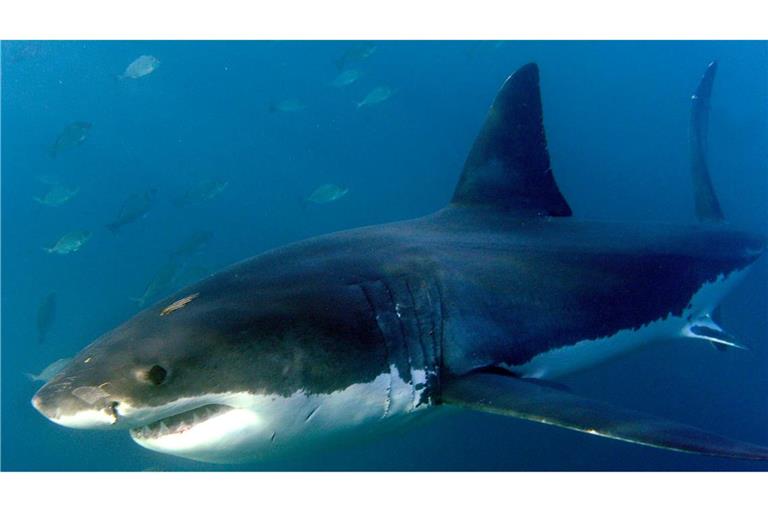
588, 353
263, 426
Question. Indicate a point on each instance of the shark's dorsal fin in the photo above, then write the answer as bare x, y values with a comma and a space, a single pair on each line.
707, 206
508, 167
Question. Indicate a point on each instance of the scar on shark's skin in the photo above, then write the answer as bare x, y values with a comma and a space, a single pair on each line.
179, 304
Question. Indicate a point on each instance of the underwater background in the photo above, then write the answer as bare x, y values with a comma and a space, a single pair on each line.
216, 151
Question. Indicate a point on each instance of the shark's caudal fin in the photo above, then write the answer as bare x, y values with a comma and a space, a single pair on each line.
509, 396
508, 167
707, 205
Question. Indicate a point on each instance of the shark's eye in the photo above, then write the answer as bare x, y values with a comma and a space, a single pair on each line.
156, 375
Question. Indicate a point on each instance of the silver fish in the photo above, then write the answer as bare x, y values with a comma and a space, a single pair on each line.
140, 67
57, 195
377, 95
162, 279
200, 191
50, 371
192, 244
70, 137
71, 242
356, 53
345, 78
327, 193
134, 208
290, 105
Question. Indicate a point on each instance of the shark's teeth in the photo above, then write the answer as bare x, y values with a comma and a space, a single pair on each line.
179, 423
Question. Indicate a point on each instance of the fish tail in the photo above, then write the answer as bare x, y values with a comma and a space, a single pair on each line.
140, 301
30, 376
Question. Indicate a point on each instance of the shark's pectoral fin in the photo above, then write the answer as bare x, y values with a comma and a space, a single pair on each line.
527, 400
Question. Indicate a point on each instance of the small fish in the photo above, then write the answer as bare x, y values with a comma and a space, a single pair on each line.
46, 313
377, 95
50, 371
192, 274
57, 195
289, 106
22, 52
140, 67
134, 208
48, 179
345, 78
161, 280
70, 137
356, 53
203, 190
71, 242
179, 304
326, 194
477, 48
192, 244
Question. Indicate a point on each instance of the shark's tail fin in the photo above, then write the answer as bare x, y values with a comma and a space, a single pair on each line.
707, 206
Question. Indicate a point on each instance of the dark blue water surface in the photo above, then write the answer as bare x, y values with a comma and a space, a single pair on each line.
616, 115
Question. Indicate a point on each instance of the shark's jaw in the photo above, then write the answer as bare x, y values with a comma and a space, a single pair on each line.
179, 423
209, 433
247, 426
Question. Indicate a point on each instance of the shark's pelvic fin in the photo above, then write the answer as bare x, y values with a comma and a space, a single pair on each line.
523, 399
707, 205
706, 329
508, 167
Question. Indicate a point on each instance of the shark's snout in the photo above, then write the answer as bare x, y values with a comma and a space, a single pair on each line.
82, 407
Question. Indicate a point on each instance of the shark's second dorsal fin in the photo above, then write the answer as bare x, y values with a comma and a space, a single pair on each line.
707, 206
508, 167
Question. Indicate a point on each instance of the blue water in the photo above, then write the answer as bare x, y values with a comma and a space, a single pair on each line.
616, 116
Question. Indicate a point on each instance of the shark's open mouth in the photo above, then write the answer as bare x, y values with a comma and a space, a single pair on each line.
179, 423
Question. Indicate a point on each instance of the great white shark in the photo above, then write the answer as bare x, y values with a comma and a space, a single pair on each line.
481, 305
